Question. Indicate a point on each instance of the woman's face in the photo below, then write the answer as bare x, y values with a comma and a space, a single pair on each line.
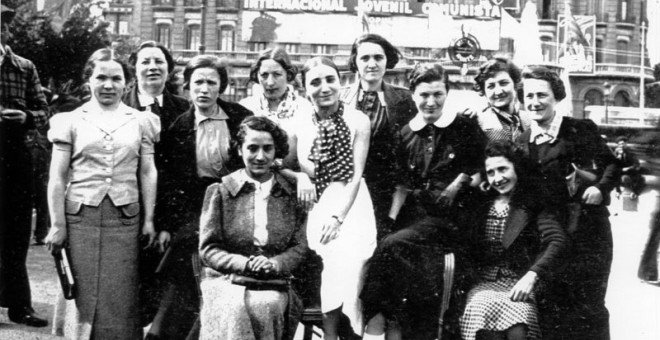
500, 90
272, 78
501, 174
107, 82
322, 85
204, 87
430, 99
539, 100
258, 153
151, 67
371, 62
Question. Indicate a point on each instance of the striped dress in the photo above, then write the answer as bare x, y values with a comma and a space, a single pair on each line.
488, 304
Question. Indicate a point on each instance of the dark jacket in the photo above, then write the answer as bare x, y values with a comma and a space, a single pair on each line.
171, 107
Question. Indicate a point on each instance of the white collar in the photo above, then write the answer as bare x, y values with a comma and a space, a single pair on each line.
265, 186
418, 123
552, 131
145, 100
199, 118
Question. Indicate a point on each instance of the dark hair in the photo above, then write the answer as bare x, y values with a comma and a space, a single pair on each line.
206, 61
622, 139
547, 74
506, 149
132, 59
391, 53
7, 14
316, 61
279, 55
428, 73
105, 54
264, 124
493, 67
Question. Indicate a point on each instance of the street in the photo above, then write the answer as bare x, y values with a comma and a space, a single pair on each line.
634, 306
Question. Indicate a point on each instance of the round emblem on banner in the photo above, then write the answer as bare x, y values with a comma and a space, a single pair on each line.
465, 49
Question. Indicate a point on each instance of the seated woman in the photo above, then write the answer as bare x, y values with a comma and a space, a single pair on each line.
519, 242
251, 232
439, 159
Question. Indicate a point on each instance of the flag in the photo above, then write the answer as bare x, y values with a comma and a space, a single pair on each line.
527, 45
509, 26
573, 30
653, 44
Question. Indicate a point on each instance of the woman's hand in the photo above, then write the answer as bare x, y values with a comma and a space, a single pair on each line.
592, 196
306, 191
330, 230
163, 241
524, 287
148, 230
55, 239
260, 264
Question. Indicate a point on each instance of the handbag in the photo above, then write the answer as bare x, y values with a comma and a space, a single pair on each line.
251, 283
63, 266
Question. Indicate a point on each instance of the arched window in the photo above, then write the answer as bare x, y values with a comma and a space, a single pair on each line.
226, 36
163, 34
593, 97
622, 52
193, 35
622, 98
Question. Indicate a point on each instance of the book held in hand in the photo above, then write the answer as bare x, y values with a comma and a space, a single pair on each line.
63, 266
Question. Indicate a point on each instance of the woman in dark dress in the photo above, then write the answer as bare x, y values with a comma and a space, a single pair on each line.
519, 241
581, 172
388, 107
440, 155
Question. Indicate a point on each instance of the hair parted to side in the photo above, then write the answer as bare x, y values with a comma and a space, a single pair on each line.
549, 75
428, 73
206, 61
264, 124
494, 66
280, 56
132, 59
391, 53
316, 61
105, 54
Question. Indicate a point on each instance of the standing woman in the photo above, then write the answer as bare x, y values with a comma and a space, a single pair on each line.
581, 171
388, 107
331, 146
101, 152
518, 241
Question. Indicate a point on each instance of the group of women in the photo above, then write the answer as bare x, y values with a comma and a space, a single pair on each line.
378, 180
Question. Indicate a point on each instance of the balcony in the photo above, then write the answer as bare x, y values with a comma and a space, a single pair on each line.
623, 70
247, 57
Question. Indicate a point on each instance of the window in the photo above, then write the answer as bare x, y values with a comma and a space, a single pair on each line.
226, 3
548, 49
292, 48
621, 52
593, 97
192, 3
322, 49
193, 37
163, 34
599, 51
226, 38
162, 2
257, 46
117, 23
420, 52
622, 98
548, 8
624, 10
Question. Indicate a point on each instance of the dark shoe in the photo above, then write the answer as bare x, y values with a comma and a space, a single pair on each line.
38, 242
27, 316
152, 336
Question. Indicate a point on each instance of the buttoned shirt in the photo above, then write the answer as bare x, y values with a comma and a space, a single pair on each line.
212, 144
146, 100
105, 151
541, 135
261, 196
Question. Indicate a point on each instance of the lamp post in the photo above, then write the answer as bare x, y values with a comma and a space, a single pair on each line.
606, 91
202, 35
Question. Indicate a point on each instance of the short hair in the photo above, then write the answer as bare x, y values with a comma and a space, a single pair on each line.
6, 14
493, 67
264, 124
549, 75
105, 54
428, 73
279, 55
132, 59
622, 139
391, 53
316, 61
206, 61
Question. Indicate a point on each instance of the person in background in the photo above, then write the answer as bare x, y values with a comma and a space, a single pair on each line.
388, 108
252, 232
102, 174
580, 171
518, 242
197, 153
439, 157
23, 107
631, 178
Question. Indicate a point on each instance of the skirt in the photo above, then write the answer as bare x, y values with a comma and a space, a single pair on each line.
490, 308
344, 258
103, 245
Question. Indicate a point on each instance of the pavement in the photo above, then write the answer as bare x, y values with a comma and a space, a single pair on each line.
634, 306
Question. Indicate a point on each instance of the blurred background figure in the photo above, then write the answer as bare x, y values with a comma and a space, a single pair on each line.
632, 181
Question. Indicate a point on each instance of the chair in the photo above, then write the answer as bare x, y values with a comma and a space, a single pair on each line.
448, 283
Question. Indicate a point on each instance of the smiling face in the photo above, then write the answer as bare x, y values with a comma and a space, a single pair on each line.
501, 174
500, 90
258, 154
539, 100
430, 99
322, 85
107, 83
272, 77
204, 88
371, 62
151, 67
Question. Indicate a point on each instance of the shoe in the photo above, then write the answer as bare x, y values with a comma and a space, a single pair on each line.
26, 316
152, 336
38, 242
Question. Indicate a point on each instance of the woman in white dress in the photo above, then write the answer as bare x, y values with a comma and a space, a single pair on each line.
331, 147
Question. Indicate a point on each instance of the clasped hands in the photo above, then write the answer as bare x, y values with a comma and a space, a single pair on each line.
261, 265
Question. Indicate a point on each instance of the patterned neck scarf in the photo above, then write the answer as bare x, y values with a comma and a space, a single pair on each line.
285, 109
332, 152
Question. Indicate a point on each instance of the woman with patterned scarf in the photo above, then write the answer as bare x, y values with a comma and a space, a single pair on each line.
331, 146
